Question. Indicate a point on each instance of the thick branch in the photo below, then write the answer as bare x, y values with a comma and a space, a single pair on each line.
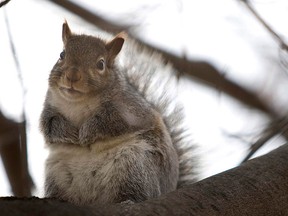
258, 187
2, 3
201, 71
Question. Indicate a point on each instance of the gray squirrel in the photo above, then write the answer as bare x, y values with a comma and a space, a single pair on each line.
109, 142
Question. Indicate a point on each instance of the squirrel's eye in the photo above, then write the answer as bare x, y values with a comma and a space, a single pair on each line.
101, 64
62, 55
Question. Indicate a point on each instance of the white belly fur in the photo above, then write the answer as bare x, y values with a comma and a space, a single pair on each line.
83, 173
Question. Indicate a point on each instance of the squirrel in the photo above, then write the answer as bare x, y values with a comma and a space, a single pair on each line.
108, 142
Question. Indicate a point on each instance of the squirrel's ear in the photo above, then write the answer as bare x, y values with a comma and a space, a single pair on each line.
66, 32
114, 46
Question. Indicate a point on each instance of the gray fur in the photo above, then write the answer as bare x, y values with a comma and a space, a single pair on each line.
111, 143
148, 73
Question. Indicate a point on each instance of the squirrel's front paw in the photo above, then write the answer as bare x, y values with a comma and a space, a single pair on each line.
84, 138
84, 142
127, 202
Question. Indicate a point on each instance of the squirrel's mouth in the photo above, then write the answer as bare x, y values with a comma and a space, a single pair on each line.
70, 91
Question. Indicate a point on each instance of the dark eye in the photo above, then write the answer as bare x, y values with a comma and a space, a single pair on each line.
62, 55
101, 64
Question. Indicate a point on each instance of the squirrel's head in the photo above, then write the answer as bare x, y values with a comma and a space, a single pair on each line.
85, 66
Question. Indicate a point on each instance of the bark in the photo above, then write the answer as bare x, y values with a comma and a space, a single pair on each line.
258, 187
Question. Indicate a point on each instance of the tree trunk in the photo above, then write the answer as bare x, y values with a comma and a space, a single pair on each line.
13, 154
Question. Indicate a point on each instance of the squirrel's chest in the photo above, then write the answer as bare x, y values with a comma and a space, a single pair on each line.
79, 112
76, 112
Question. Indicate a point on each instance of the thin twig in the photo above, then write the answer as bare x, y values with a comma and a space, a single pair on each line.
13, 50
278, 38
260, 142
277, 127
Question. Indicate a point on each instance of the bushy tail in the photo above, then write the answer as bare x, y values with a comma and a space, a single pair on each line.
157, 82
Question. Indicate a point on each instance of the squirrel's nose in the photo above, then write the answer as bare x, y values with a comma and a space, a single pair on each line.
73, 75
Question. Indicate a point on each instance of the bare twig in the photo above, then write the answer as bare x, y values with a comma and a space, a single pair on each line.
15, 58
276, 127
259, 143
279, 39
90, 16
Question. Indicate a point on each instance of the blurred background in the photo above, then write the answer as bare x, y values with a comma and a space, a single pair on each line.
234, 89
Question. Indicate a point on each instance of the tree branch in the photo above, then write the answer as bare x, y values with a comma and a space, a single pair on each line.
201, 71
258, 187
2, 3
